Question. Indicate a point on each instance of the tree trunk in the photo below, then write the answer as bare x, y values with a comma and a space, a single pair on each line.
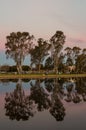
56, 64
39, 67
19, 69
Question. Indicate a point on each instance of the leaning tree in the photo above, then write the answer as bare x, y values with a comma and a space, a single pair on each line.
57, 41
18, 46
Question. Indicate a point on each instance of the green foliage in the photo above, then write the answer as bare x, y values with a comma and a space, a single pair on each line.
39, 52
81, 63
18, 46
25, 68
57, 41
13, 69
49, 63
5, 68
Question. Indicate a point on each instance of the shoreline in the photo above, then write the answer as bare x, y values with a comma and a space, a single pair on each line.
29, 76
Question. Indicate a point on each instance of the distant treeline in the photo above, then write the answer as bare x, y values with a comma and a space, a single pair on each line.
8, 68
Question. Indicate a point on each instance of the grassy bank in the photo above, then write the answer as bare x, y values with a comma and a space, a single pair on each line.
26, 76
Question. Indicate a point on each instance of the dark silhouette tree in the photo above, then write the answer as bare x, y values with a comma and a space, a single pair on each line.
61, 66
57, 41
84, 51
71, 56
18, 46
68, 56
81, 63
49, 65
39, 53
76, 51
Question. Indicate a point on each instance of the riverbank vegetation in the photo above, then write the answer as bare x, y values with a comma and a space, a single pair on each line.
46, 56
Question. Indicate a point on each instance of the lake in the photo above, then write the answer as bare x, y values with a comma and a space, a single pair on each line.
43, 104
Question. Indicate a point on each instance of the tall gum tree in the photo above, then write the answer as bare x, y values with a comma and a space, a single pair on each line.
39, 52
18, 46
81, 62
57, 41
71, 55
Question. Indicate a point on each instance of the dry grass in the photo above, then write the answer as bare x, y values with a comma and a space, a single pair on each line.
26, 76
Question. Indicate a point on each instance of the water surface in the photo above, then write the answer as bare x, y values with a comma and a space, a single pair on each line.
43, 104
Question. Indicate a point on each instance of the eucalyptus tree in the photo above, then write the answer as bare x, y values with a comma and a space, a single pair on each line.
76, 51
49, 63
39, 52
84, 51
68, 51
68, 55
57, 41
61, 66
72, 55
18, 46
81, 63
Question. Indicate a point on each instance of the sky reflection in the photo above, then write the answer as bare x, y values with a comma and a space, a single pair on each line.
42, 104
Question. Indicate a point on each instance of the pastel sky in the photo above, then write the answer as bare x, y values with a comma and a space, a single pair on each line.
43, 17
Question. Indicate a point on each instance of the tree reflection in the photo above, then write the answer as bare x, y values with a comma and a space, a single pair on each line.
57, 109
18, 105
39, 96
76, 98
81, 87
70, 91
49, 84
48, 94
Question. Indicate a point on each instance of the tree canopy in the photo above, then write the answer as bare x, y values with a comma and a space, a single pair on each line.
39, 52
18, 46
45, 54
57, 41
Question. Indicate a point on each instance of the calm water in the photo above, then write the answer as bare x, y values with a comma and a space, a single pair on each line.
43, 104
